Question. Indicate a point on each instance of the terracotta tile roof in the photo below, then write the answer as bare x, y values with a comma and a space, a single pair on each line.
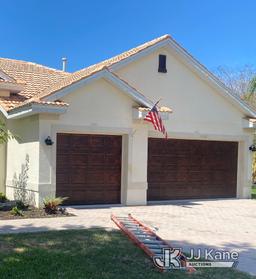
86, 72
8, 104
40, 81
46, 103
32, 76
35, 77
11, 102
161, 109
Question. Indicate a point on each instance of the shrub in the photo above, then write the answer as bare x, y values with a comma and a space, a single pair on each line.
16, 211
51, 205
3, 197
21, 205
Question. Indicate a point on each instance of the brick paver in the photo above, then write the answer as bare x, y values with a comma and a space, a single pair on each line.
220, 224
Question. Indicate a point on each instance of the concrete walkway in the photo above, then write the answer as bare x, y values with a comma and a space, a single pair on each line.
219, 224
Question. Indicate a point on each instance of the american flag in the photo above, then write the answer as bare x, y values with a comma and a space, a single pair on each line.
154, 117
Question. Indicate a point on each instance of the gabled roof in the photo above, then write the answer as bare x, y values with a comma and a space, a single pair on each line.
109, 76
45, 84
86, 72
41, 81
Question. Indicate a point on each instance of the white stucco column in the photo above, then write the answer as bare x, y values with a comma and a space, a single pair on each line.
2, 167
47, 157
137, 147
244, 173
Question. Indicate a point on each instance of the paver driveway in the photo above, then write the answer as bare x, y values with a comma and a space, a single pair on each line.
220, 224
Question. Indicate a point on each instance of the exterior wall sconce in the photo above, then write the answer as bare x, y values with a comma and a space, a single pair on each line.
48, 141
252, 148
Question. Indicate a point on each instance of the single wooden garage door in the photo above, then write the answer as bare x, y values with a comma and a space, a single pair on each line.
184, 169
89, 168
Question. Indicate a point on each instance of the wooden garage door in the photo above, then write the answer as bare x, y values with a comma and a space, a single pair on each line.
89, 168
184, 169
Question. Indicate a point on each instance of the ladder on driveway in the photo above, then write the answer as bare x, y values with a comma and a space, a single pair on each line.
146, 239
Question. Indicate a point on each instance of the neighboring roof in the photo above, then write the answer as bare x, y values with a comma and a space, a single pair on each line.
35, 77
44, 84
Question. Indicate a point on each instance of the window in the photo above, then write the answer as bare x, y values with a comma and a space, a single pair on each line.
162, 64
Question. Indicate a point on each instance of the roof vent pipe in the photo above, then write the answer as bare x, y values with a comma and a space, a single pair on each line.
64, 64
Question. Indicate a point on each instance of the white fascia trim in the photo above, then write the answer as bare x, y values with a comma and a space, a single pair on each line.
35, 109
4, 76
133, 93
67, 90
194, 65
205, 74
3, 111
138, 55
11, 86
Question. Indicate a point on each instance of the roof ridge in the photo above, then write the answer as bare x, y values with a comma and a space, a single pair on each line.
141, 47
32, 63
85, 72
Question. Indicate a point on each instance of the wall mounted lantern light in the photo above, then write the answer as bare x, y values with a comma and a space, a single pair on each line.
252, 148
48, 141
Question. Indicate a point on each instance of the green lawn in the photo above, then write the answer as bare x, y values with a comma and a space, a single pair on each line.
253, 192
93, 253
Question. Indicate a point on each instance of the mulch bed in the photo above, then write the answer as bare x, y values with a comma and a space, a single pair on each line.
33, 212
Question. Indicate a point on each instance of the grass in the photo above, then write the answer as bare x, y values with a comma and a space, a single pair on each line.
253, 192
93, 253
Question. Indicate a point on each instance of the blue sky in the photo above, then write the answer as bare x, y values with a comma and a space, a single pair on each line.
215, 32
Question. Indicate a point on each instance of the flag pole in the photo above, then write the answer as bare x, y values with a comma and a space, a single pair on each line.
157, 103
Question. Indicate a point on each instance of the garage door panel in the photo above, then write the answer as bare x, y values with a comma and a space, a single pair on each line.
63, 160
97, 141
78, 142
78, 196
112, 177
95, 176
96, 159
63, 177
89, 168
191, 169
112, 160
63, 143
78, 160
78, 175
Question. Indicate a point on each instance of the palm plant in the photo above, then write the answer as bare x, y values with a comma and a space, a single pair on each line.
4, 134
252, 86
249, 96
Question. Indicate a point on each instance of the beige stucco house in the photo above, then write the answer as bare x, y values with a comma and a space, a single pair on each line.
82, 134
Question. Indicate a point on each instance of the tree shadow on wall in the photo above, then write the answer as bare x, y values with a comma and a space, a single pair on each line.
20, 184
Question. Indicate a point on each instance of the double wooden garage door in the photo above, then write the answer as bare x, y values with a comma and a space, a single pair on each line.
89, 169
184, 169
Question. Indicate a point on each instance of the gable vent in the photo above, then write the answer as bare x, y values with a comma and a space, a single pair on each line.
162, 64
